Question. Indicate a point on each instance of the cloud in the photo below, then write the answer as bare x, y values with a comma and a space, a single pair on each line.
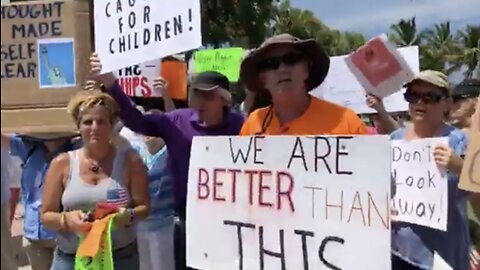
425, 11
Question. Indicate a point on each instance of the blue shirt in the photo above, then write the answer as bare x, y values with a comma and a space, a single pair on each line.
162, 202
416, 244
35, 165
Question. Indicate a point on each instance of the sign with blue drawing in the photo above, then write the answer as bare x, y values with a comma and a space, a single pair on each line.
56, 63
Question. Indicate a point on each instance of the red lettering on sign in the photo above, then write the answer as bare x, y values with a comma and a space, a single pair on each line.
264, 188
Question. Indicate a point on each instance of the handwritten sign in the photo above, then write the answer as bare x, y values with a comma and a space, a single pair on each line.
137, 80
133, 32
343, 88
421, 187
291, 203
224, 61
379, 67
470, 177
44, 61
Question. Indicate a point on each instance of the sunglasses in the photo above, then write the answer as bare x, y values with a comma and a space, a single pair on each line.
431, 97
460, 98
272, 63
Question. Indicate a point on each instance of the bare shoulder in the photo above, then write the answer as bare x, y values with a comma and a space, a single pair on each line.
61, 161
132, 157
59, 168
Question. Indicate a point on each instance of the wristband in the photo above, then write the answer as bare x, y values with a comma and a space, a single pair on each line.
63, 221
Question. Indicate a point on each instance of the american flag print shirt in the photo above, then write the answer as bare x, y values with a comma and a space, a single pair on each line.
118, 196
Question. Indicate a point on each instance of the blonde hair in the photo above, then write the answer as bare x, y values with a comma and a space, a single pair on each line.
85, 100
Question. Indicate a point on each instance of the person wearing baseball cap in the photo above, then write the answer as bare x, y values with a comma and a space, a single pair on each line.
413, 246
465, 97
286, 68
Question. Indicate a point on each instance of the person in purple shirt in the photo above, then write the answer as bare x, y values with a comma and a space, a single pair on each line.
210, 115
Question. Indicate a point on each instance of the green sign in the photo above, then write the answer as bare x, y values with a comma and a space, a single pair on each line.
225, 61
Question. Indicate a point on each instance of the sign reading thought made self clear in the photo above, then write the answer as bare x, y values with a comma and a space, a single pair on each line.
292, 203
136, 31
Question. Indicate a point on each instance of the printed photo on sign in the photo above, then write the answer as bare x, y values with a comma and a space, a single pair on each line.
56, 63
379, 67
421, 195
343, 88
287, 202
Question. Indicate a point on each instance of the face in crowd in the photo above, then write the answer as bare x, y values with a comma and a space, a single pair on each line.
95, 114
208, 104
283, 72
428, 103
462, 109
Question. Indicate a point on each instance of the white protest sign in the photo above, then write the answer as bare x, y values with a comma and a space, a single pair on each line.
439, 263
286, 202
421, 186
379, 67
137, 80
342, 87
132, 32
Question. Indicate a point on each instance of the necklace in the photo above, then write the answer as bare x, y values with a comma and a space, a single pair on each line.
94, 167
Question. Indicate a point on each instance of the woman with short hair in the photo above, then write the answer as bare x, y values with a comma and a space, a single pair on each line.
99, 172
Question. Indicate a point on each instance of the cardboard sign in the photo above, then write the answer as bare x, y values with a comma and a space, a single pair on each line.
44, 60
342, 87
470, 177
421, 187
225, 61
131, 32
379, 67
286, 202
175, 73
138, 80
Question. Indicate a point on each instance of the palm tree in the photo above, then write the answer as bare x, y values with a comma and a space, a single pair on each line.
304, 24
438, 44
468, 53
405, 33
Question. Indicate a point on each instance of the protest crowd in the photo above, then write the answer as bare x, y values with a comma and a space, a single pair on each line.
121, 192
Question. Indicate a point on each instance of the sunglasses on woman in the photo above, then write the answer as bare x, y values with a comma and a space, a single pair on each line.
432, 97
273, 62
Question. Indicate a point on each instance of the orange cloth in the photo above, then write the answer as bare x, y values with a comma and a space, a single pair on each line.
92, 241
320, 118
175, 73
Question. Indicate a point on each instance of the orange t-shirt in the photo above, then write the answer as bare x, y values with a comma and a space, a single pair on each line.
320, 118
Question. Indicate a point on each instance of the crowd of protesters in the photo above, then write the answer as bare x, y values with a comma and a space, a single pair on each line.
139, 160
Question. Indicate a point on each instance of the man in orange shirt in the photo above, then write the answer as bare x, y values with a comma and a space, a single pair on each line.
286, 68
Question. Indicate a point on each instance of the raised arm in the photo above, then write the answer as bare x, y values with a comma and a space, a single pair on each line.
388, 124
161, 85
154, 125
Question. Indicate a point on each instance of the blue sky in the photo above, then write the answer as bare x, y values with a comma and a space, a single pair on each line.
372, 17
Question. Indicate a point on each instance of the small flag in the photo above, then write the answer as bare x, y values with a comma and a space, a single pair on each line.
118, 197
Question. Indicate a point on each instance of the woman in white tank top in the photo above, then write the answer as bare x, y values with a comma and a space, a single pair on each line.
97, 173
